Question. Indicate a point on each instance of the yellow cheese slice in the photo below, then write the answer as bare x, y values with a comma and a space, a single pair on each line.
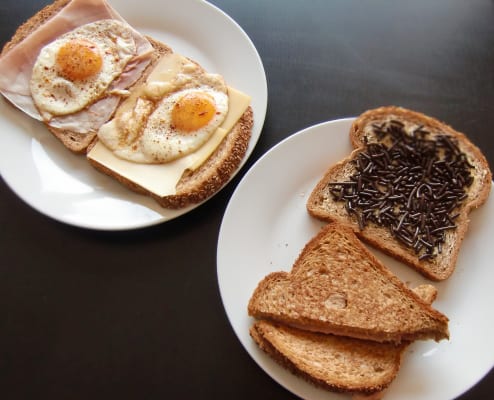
162, 179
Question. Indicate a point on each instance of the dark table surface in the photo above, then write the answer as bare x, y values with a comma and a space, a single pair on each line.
145, 320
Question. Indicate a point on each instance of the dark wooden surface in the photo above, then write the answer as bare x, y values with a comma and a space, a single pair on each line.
137, 315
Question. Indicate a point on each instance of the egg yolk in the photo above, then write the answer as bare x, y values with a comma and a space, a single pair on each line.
193, 111
78, 59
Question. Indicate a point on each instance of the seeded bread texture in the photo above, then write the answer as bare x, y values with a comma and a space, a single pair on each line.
322, 205
363, 368
338, 286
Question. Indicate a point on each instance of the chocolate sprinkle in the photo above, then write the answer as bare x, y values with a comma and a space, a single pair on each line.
408, 183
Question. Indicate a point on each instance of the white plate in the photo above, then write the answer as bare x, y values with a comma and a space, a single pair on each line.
64, 186
266, 225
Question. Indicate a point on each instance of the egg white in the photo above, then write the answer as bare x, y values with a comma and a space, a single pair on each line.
55, 95
159, 141
162, 142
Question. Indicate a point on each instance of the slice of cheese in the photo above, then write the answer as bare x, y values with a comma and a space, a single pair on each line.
162, 179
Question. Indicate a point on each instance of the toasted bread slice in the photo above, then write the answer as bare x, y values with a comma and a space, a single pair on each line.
338, 286
403, 227
335, 363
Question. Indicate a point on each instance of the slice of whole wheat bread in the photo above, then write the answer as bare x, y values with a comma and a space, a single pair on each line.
335, 363
338, 286
323, 205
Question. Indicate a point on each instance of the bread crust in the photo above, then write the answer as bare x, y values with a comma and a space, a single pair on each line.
321, 205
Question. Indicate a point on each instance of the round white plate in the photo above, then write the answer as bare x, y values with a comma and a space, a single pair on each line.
64, 186
266, 225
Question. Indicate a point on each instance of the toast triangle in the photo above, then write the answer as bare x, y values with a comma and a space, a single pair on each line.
338, 286
335, 363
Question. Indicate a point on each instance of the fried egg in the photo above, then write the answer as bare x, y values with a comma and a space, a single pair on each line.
172, 115
76, 69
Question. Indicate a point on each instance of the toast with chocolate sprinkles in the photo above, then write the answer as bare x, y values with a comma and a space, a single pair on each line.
407, 188
335, 363
338, 286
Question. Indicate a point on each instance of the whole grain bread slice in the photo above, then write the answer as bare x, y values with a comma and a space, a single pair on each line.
338, 286
335, 363
323, 205
196, 185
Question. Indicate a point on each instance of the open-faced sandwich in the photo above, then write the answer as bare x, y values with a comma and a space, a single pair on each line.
407, 188
151, 118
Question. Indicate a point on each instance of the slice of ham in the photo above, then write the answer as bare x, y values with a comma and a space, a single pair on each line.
89, 119
16, 65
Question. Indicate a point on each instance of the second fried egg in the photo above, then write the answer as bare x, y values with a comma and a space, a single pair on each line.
169, 117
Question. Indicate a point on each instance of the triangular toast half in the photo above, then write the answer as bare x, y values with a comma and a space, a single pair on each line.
338, 286
332, 362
